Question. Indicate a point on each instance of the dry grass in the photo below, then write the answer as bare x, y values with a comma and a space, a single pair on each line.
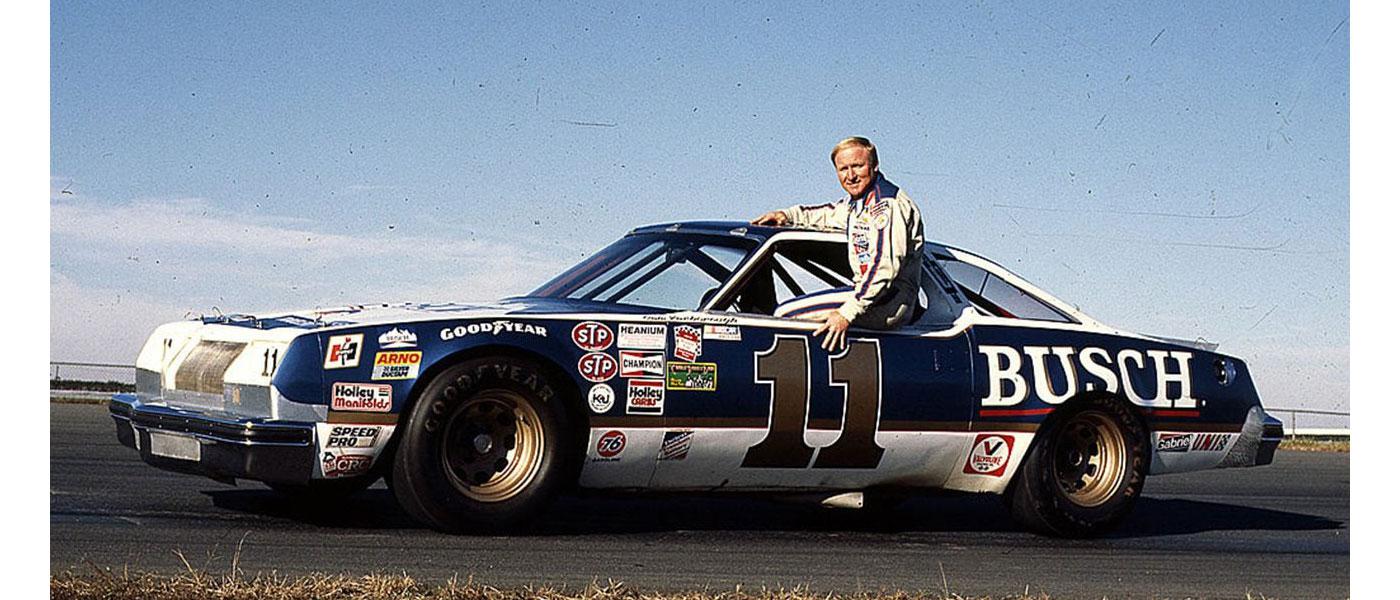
122, 585
1315, 445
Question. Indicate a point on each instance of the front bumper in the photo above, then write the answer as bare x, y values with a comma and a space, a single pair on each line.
228, 447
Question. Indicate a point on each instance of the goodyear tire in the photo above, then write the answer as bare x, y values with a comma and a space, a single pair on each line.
1083, 472
487, 445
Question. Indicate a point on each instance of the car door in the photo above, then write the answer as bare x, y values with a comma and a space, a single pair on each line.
754, 402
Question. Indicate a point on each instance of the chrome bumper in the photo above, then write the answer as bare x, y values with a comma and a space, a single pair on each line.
229, 447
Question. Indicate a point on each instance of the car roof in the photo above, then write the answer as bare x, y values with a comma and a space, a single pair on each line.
759, 233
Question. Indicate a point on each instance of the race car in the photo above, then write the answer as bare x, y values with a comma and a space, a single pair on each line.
661, 363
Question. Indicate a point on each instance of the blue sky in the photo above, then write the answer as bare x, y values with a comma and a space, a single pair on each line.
1177, 170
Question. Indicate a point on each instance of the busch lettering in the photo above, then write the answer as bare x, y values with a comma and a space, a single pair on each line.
1086, 370
492, 328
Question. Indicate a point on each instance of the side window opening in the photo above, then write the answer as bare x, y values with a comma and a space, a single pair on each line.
996, 296
792, 269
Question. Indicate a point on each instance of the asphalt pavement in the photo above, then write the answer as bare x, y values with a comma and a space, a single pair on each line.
1281, 531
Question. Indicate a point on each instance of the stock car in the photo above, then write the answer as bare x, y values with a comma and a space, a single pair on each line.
659, 364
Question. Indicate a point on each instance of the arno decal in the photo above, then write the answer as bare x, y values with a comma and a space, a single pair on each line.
1086, 370
786, 368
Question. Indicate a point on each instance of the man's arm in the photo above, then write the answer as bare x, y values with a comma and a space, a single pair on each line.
890, 238
830, 215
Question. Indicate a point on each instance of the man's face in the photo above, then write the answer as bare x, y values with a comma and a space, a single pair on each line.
855, 169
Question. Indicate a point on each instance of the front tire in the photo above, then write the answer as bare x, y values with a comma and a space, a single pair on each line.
1084, 471
487, 445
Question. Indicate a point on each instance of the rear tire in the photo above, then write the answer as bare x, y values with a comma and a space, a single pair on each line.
487, 445
1084, 471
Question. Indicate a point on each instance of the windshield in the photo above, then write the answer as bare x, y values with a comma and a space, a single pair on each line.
671, 271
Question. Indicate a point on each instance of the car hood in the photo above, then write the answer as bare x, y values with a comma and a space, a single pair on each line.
357, 315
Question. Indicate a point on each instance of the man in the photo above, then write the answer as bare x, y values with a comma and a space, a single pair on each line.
885, 240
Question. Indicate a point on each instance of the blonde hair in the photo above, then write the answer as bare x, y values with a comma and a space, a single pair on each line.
858, 142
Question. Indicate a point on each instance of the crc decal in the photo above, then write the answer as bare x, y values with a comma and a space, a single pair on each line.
785, 368
642, 364
688, 342
990, 454
610, 445
362, 397
399, 364
675, 445
600, 398
592, 336
646, 396
352, 436
1211, 442
638, 336
334, 465
691, 376
1174, 442
1086, 370
398, 338
492, 328
597, 367
723, 333
343, 351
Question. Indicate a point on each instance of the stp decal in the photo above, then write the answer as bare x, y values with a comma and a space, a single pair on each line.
990, 454
597, 367
592, 336
343, 351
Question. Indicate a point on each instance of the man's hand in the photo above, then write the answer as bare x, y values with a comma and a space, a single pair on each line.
835, 328
772, 217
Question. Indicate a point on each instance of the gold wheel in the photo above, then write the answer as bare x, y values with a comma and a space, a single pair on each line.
493, 447
1090, 458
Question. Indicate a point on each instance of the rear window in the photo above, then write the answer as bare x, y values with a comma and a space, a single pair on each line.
999, 297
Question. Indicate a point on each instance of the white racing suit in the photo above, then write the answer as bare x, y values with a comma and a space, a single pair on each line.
885, 245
